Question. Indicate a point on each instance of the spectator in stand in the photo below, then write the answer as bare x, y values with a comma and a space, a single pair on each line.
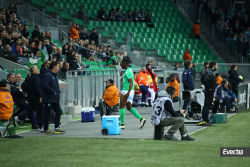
187, 55
142, 16
36, 33
219, 24
196, 29
118, 15
74, 34
218, 78
128, 16
215, 17
111, 16
230, 16
30, 48
247, 7
225, 28
25, 31
193, 70
148, 16
112, 61
81, 14
94, 37
225, 5
222, 14
59, 54
241, 47
2, 38
234, 78
9, 55
176, 67
18, 14
47, 49
102, 14
18, 79
237, 28
152, 65
73, 62
109, 51
237, 17
135, 15
63, 70
173, 82
83, 35
65, 50
125, 55
245, 21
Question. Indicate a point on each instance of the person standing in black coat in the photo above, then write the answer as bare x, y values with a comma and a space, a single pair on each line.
51, 98
94, 37
25, 31
234, 79
24, 85
210, 86
102, 14
34, 93
73, 62
36, 33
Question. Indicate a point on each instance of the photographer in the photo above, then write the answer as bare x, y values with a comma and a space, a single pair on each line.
210, 86
164, 114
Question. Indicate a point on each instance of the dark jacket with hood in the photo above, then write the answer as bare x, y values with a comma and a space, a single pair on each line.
234, 77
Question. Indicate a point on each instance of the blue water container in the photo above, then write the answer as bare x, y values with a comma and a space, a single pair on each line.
111, 125
88, 114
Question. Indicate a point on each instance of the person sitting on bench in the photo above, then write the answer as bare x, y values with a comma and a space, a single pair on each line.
173, 82
163, 113
6, 102
110, 96
222, 98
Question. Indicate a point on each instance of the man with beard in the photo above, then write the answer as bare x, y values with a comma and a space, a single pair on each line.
210, 86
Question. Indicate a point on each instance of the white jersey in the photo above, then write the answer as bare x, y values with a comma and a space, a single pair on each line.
158, 108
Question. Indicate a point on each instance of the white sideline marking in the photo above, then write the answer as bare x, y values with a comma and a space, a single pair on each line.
205, 127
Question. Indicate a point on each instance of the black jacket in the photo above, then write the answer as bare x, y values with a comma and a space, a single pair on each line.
234, 77
18, 96
169, 108
25, 33
210, 80
73, 63
94, 37
34, 88
101, 15
9, 55
50, 86
43, 71
237, 30
24, 86
37, 34
83, 36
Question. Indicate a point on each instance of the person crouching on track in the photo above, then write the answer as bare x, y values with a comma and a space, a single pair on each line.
222, 98
164, 114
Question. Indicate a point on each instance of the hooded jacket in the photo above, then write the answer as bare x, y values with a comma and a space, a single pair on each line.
234, 77
175, 84
111, 95
196, 28
6, 103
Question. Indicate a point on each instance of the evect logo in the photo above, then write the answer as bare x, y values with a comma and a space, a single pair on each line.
232, 152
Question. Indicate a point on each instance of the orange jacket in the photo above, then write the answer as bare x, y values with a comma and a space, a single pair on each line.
187, 56
196, 29
6, 103
175, 84
111, 95
74, 34
143, 79
219, 80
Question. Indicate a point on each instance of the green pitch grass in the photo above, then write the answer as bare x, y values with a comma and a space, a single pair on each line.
85, 152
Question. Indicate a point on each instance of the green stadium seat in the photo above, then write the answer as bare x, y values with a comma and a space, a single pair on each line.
65, 15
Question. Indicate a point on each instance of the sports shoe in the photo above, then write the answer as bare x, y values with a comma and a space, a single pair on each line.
170, 137
204, 123
187, 138
40, 130
142, 122
15, 121
47, 132
59, 130
235, 105
122, 126
229, 111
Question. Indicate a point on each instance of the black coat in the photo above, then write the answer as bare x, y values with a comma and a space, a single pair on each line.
37, 34
210, 80
24, 86
34, 88
83, 36
18, 96
73, 63
50, 86
43, 71
25, 33
9, 55
94, 37
234, 77
237, 30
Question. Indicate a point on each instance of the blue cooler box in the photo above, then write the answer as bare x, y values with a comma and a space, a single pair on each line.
88, 114
111, 125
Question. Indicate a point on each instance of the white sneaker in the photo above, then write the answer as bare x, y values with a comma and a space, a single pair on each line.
123, 126
142, 122
40, 130
15, 121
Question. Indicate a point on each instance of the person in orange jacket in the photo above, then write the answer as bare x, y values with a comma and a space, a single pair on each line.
74, 34
219, 79
196, 29
173, 82
6, 102
111, 94
187, 55
137, 88
144, 85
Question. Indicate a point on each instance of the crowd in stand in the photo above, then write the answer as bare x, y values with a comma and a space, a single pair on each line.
232, 20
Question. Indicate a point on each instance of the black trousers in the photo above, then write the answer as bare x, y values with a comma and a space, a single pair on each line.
36, 106
216, 106
209, 95
47, 111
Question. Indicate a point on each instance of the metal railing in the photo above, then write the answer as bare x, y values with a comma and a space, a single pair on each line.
212, 34
37, 15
